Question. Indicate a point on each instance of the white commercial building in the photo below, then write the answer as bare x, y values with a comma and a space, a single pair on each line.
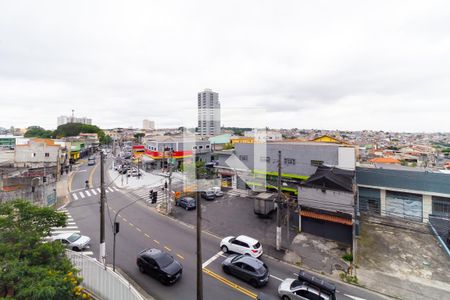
262, 135
208, 113
70, 119
148, 125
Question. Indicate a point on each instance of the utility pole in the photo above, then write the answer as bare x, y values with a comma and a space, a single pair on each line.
278, 237
102, 212
169, 206
199, 248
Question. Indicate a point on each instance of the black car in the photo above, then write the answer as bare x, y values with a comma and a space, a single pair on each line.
208, 195
186, 203
159, 265
247, 268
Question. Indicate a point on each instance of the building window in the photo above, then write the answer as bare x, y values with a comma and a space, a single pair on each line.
200, 147
243, 157
47, 154
441, 206
207, 146
33, 154
264, 159
316, 163
195, 147
289, 161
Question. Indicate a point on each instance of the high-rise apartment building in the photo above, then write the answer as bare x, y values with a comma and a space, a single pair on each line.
71, 119
208, 113
148, 125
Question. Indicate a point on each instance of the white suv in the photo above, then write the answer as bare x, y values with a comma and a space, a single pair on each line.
242, 245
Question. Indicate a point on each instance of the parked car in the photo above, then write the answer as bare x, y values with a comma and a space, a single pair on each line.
242, 245
247, 268
217, 191
306, 286
133, 172
208, 195
159, 265
186, 203
73, 240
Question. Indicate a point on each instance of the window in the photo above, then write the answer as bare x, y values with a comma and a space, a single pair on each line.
33, 154
200, 147
289, 161
195, 147
441, 206
316, 163
243, 157
47, 154
264, 159
207, 146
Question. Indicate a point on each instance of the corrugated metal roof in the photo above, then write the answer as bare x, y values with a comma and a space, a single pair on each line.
401, 179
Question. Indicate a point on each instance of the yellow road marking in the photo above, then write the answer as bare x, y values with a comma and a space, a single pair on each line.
91, 181
167, 248
180, 256
146, 235
230, 284
156, 241
131, 224
138, 229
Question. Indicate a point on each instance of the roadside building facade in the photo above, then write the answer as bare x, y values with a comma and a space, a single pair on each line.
148, 125
71, 119
158, 150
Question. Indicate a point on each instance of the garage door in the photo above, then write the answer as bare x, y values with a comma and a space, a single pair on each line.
404, 205
330, 230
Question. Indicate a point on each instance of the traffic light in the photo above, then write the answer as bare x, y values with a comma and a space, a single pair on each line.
154, 197
150, 194
116, 227
44, 179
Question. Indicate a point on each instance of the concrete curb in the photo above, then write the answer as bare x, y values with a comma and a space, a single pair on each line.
133, 283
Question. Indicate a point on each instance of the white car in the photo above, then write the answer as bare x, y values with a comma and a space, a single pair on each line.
306, 286
72, 240
217, 191
242, 245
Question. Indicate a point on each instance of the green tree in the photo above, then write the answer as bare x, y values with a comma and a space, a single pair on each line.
138, 136
31, 268
74, 129
38, 132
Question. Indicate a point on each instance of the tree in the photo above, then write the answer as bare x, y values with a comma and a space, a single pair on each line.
31, 268
138, 136
38, 132
74, 129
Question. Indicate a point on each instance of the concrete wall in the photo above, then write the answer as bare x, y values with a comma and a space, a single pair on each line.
303, 153
34, 155
426, 207
326, 199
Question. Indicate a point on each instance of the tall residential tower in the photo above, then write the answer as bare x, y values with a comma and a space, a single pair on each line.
208, 113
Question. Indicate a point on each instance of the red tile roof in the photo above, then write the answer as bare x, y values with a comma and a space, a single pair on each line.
334, 219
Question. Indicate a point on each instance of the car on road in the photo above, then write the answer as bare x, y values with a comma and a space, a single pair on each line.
247, 268
91, 161
159, 265
186, 203
306, 286
208, 195
242, 245
73, 240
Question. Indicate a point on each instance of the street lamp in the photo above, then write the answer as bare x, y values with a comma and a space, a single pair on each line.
116, 231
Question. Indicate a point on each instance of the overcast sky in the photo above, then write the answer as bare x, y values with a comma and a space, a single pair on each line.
354, 65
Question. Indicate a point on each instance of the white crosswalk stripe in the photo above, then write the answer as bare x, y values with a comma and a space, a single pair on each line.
87, 193
81, 194
71, 227
116, 189
98, 190
110, 189
94, 192
75, 197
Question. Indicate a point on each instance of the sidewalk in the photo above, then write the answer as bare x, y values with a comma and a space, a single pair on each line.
147, 180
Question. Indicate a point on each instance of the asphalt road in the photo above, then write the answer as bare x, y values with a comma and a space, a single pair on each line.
142, 227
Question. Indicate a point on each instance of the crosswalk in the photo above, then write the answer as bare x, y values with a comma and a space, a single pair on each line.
81, 194
70, 227
143, 193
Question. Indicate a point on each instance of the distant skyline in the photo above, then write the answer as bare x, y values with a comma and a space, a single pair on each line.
347, 65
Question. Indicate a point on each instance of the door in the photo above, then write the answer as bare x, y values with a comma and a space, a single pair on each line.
152, 267
247, 272
404, 205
